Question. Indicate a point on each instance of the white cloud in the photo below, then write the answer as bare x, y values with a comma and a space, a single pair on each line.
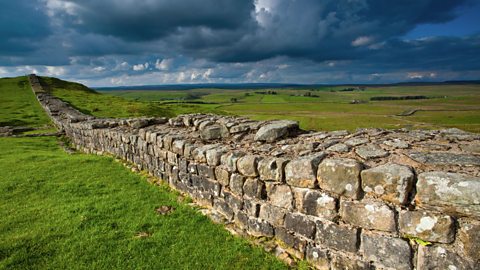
140, 67
54, 71
165, 64
99, 69
362, 41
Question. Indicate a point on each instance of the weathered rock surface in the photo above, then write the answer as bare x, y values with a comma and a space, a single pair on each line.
387, 252
302, 172
427, 226
391, 182
437, 257
453, 193
469, 236
371, 215
276, 130
446, 158
370, 151
340, 176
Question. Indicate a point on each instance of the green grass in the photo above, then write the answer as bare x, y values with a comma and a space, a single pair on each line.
448, 106
18, 106
81, 211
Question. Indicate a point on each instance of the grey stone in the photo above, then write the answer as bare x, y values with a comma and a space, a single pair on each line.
356, 141
254, 188
336, 236
272, 169
273, 214
391, 182
276, 130
339, 147
221, 206
302, 172
300, 224
235, 202
222, 175
279, 195
369, 215
229, 160
386, 252
370, 151
247, 165
469, 237
397, 143
177, 146
236, 183
258, 227
339, 262
340, 176
445, 158
318, 204
213, 155
452, 193
438, 257
213, 132
295, 244
427, 226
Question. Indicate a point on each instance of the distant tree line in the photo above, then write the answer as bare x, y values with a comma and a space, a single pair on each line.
397, 98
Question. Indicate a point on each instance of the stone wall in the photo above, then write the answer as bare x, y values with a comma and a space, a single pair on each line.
373, 199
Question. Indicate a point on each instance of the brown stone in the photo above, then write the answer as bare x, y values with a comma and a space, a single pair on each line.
340, 176
302, 172
469, 236
272, 214
368, 215
427, 226
279, 195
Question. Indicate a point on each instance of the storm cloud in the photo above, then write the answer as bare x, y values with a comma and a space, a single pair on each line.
305, 41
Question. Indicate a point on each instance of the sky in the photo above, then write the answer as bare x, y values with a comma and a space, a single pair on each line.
144, 42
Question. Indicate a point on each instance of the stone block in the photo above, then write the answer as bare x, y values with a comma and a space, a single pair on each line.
469, 237
276, 130
368, 215
206, 171
247, 165
452, 193
427, 226
177, 146
340, 176
221, 206
236, 183
302, 172
251, 207
235, 202
370, 151
172, 158
293, 243
318, 257
273, 214
337, 237
222, 175
300, 224
258, 228
438, 257
254, 188
213, 132
272, 169
229, 160
279, 195
317, 203
339, 262
214, 155
387, 252
391, 182
241, 219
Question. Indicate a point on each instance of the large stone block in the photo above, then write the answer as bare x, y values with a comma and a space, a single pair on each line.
295, 245
206, 171
340, 262
452, 193
177, 146
258, 228
254, 188
214, 155
222, 175
370, 151
272, 169
279, 195
276, 130
391, 182
427, 226
316, 203
247, 165
273, 214
213, 132
336, 236
300, 224
469, 237
236, 183
229, 160
235, 202
438, 257
221, 206
302, 172
340, 176
368, 215
387, 252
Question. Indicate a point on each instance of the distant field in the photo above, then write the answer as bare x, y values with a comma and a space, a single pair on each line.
329, 108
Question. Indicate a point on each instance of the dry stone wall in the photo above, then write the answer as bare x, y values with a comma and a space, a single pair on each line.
373, 199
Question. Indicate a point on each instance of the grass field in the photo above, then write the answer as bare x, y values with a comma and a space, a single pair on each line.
61, 211
329, 109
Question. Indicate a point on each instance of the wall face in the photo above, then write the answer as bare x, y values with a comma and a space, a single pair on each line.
340, 200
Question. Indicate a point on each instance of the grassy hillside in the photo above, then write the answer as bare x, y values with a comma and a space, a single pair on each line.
18, 106
330, 108
61, 211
